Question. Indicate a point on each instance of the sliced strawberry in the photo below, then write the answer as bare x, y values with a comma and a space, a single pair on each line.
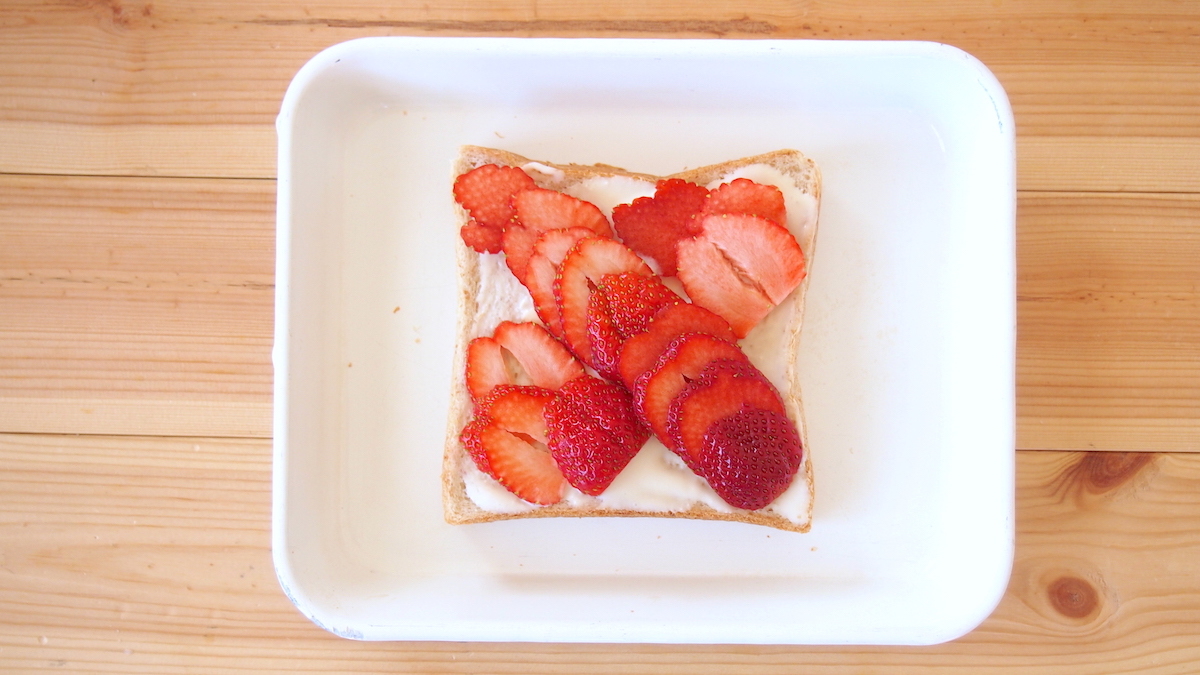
759, 249
540, 272
683, 361
744, 196
526, 469
547, 362
722, 389
712, 282
750, 457
482, 239
486, 193
640, 352
653, 225
634, 299
583, 267
518, 353
593, 432
518, 409
603, 337
539, 210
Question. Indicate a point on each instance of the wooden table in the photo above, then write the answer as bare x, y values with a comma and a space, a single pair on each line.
136, 257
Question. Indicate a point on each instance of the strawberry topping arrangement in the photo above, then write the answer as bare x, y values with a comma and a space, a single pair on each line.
621, 353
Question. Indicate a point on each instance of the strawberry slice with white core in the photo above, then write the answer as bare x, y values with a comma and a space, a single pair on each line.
712, 282
542, 269
593, 432
744, 196
750, 457
763, 251
518, 353
486, 194
582, 269
642, 351
540, 210
683, 361
518, 409
723, 388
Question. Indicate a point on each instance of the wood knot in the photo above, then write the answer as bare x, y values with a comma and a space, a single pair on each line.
1104, 471
1073, 597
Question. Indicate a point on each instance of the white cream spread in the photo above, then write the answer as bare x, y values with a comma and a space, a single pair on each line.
656, 479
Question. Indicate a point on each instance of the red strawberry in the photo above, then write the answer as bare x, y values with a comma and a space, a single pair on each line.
593, 432
715, 284
764, 251
683, 361
603, 337
526, 470
518, 409
634, 299
722, 389
540, 272
582, 268
482, 239
486, 193
641, 352
622, 305
539, 359
744, 196
750, 457
539, 210
653, 225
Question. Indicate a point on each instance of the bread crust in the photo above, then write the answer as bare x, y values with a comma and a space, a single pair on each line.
458, 507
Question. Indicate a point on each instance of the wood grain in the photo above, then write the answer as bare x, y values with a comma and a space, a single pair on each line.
152, 555
144, 306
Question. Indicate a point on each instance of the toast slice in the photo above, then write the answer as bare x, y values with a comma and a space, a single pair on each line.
656, 483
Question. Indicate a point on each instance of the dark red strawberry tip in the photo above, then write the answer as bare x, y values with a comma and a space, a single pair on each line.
653, 225
593, 432
750, 457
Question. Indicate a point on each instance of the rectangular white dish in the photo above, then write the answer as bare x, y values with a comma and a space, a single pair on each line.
907, 351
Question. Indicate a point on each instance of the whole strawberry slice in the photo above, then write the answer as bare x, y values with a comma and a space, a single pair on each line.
763, 251
682, 362
518, 353
723, 388
486, 194
712, 282
593, 432
582, 268
506, 441
540, 210
642, 351
750, 457
744, 196
653, 225
542, 269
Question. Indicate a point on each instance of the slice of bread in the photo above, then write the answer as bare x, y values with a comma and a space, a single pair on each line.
488, 294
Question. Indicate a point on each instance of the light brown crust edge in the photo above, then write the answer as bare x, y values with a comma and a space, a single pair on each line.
457, 507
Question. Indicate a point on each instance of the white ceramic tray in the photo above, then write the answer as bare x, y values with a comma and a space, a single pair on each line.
907, 350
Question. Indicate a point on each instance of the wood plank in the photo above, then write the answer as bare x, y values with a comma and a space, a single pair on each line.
138, 555
122, 297
1108, 322
97, 84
